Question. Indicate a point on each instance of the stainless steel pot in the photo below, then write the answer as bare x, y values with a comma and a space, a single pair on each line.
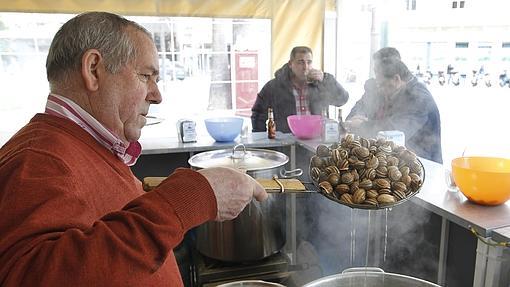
251, 283
369, 277
259, 230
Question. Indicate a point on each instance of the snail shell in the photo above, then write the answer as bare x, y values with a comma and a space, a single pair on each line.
342, 188
391, 160
347, 178
322, 150
326, 187
347, 198
317, 161
358, 196
315, 172
399, 195
399, 186
334, 179
366, 184
371, 201
385, 198
354, 186
381, 183
407, 155
372, 193
381, 172
393, 173
373, 162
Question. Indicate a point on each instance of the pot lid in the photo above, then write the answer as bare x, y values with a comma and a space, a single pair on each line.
239, 157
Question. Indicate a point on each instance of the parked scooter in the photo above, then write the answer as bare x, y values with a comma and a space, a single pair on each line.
454, 78
487, 80
440, 78
474, 78
504, 80
427, 79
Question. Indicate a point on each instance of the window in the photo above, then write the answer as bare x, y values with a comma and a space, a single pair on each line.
411, 4
459, 4
206, 64
460, 42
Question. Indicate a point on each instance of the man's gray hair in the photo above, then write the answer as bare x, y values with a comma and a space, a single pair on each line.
299, 49
390, 67
103, 31
386, 52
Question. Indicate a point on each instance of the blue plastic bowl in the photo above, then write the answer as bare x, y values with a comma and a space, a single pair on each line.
224, 129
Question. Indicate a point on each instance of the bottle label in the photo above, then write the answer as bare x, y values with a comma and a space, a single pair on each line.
189, 133
330, 132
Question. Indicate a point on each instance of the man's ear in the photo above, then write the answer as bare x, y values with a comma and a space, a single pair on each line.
90, 63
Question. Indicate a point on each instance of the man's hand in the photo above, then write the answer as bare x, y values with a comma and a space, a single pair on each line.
233, 190
315, 75
355, 122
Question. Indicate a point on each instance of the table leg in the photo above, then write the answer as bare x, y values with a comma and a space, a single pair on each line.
291, 245
443, 252
482, 251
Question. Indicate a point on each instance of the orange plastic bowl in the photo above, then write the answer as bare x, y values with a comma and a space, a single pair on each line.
483, 180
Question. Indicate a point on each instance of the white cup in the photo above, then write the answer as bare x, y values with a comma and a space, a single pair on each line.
450, 183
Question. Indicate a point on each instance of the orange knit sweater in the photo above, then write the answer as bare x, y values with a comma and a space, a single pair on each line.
72, 214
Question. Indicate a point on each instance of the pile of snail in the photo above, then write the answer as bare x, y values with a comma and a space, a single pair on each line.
367, 173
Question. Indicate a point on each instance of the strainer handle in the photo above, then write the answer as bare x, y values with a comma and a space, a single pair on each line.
363, 269
290, 173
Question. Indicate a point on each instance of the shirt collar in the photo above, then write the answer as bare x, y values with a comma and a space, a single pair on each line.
65, 108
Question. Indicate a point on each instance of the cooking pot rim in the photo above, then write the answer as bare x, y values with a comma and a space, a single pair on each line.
362, 274
273, 159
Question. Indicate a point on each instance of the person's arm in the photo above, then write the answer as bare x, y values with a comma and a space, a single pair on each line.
333, 92
360, 109
259, 109
409, 116
48, 239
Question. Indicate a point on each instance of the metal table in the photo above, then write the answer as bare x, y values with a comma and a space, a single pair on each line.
454, 207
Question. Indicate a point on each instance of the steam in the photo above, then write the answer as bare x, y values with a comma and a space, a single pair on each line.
343, 237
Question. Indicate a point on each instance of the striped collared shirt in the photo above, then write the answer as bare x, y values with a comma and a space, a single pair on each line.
301, 97
65, 108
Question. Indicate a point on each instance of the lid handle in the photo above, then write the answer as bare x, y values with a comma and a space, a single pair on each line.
234, 151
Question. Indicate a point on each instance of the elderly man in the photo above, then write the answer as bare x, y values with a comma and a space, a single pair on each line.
297, 89
71, 211
396, 100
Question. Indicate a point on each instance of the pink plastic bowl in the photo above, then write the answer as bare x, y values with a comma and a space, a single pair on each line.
305, 127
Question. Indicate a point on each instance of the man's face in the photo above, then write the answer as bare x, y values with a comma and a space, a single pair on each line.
386, 86
301, 64
127, 94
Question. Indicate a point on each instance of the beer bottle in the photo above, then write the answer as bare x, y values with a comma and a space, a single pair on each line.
270, 124
341, 126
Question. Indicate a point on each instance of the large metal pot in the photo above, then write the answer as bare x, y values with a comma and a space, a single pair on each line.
369, 277
259, 230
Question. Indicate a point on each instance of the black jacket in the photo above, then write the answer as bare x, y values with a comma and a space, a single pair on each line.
413, 111
277, 93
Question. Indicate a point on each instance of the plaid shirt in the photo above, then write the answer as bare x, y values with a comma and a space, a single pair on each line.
65, 108
301, 96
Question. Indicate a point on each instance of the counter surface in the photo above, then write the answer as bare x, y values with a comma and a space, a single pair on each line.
172, 144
